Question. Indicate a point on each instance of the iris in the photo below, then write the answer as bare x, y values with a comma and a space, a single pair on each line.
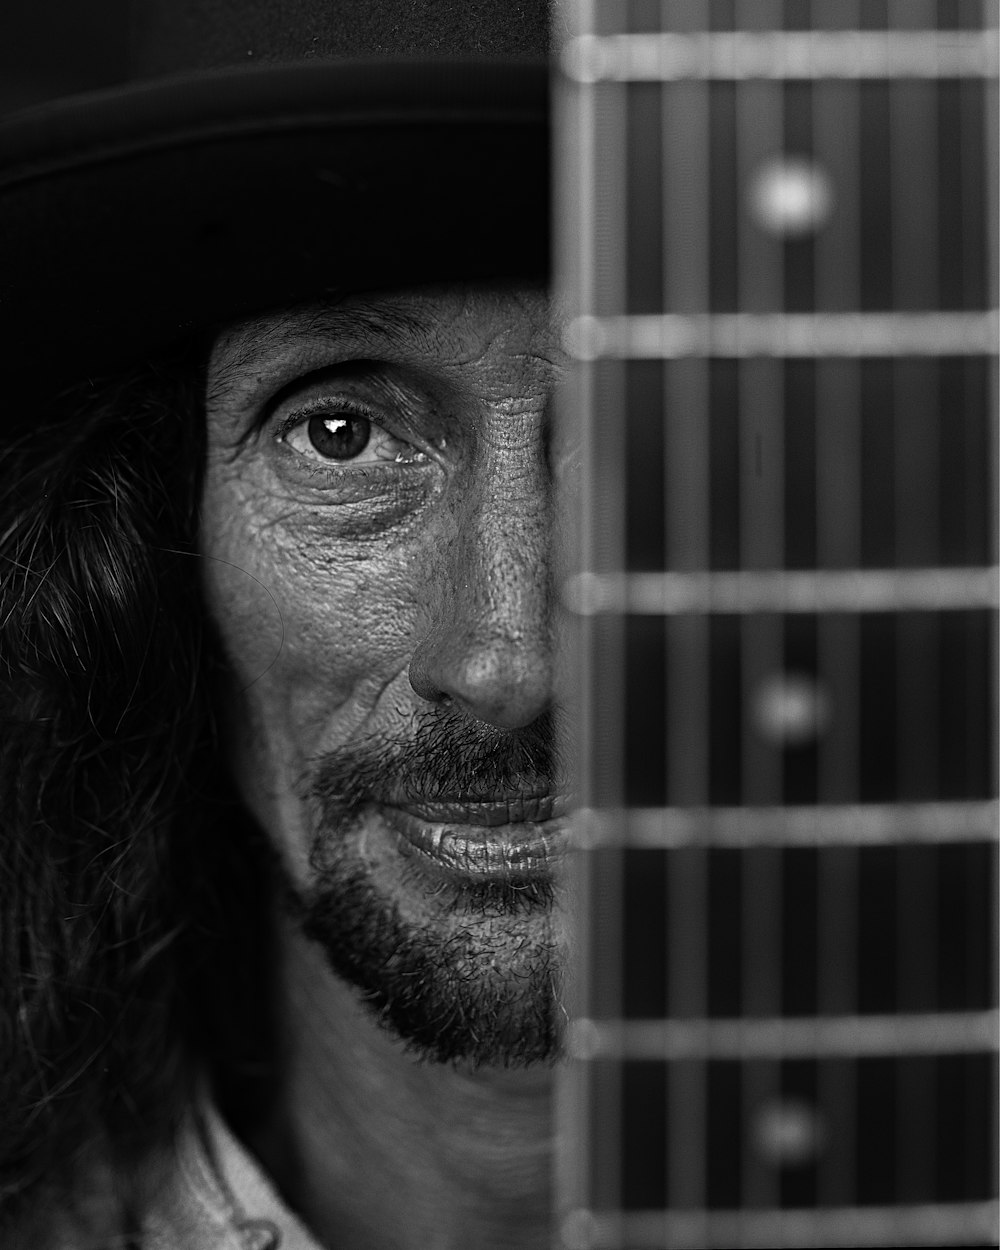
340, 438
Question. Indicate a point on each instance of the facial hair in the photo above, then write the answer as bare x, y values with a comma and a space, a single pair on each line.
475, 976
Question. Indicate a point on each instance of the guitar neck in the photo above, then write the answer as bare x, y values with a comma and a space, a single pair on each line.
777, 245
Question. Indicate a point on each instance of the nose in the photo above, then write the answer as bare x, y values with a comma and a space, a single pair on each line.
489, 649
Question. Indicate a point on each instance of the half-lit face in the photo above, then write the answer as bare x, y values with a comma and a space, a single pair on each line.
377, 518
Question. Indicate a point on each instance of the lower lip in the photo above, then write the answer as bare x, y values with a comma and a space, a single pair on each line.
503, 851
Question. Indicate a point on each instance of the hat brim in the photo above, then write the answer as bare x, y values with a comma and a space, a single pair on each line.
132, 217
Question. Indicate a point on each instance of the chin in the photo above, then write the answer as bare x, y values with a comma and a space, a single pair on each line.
462, 966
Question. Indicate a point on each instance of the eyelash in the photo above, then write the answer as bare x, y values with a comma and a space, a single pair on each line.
325, 408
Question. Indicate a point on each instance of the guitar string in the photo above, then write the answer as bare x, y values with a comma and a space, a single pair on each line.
985, 108
837, 145
759, 139
685, 280
915, 184
605, 473
577, 1118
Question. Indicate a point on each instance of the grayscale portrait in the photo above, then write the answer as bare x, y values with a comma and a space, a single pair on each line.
498, 594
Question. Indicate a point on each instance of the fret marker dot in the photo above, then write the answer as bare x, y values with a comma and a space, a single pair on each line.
578, 1230
788, 1132
791, 196
790, 709
582, 1041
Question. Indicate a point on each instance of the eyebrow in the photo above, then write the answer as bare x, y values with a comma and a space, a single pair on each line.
374, 318
366, 318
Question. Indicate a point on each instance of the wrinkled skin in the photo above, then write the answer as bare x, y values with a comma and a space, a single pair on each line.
356, 598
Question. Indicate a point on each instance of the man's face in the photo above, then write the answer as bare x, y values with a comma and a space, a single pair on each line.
377, 519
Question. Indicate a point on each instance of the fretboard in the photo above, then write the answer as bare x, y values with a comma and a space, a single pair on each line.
777, 244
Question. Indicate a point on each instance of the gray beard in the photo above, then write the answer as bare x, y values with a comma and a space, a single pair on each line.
485, 991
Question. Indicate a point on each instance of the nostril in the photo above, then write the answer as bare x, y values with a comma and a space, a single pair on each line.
422, 678
504, 682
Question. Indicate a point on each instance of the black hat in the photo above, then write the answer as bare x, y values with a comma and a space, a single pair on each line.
263, 152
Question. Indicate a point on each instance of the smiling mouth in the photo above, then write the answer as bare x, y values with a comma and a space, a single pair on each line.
498, 838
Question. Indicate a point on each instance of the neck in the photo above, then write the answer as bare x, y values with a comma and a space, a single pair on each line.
378, 1150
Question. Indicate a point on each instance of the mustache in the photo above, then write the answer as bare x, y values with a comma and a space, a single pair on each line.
445, 755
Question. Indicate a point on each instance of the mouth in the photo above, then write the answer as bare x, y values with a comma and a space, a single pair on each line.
512, 837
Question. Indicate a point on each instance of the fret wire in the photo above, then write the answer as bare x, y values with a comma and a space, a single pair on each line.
926, 1224
785, 591
754, 1039
915, 184
738, 56
821, 825
672, 336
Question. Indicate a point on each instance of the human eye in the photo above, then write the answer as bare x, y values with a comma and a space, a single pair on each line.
331, 432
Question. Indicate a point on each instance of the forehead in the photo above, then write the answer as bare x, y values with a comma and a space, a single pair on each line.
449, 327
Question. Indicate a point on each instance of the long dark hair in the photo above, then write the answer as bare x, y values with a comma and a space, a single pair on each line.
110, 843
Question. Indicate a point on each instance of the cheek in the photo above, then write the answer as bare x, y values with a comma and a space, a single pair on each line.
313, 628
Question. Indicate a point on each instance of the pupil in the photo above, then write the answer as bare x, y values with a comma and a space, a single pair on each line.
339, 438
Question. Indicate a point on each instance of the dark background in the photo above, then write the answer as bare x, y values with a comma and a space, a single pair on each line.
53, 47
